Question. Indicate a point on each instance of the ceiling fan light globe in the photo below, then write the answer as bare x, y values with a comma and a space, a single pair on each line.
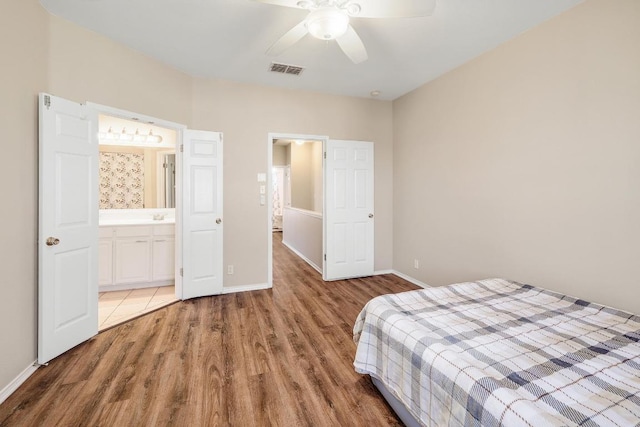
327, 23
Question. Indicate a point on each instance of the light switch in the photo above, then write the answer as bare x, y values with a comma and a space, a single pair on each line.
262, 177
263, 189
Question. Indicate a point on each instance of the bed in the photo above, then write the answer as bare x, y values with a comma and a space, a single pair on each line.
500, 353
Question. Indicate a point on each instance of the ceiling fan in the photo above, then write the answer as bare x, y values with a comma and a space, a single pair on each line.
329, 20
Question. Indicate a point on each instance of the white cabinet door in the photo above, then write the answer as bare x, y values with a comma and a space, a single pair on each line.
163, 265
133, 259
105, 262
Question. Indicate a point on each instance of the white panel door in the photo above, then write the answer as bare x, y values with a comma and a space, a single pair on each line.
68, 226
348, 213
202, 214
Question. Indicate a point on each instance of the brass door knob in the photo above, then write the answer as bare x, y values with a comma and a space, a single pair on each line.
52, 241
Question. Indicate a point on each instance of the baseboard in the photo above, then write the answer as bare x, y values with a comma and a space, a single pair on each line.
381, 272
411, 279
304, 258
131, 286
245, 288
17, 381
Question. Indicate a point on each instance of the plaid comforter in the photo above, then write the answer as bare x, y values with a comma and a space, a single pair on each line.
496, 352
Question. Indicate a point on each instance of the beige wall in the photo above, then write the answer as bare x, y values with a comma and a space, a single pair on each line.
303, 233
306, 176
279, 155
317, 174
23, 68
246, 114
525, 163
85, 66
302, 176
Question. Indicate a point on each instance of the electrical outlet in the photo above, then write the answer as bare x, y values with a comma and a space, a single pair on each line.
416, 264
230, 269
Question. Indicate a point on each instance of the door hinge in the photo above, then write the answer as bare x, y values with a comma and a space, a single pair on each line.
47, 101
164, 165
325, 257
181, 272
181, 148
325, 154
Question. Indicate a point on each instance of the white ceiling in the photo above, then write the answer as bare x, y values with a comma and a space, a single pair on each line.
227, 39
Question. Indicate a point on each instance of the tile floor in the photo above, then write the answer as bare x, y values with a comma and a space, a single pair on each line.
119, 306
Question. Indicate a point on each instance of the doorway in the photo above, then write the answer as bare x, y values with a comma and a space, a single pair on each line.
68, 229
281, 188
333, 228
295, 163
137, 212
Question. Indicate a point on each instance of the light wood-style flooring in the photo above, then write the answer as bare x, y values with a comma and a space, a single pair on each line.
277, 357
115, 307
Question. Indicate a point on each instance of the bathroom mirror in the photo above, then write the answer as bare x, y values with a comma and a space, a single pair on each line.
136, 177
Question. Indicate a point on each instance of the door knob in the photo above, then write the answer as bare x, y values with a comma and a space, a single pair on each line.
52, 241
370, 215
218, 221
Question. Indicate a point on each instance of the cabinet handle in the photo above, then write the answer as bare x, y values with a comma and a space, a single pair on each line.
163, 240
141, 241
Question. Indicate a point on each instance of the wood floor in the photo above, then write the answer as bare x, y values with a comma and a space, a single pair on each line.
280, 357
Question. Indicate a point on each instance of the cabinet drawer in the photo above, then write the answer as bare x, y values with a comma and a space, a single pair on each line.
138, 230
105, 232
164, 230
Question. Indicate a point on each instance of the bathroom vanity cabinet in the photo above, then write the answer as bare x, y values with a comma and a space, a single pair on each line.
136, 256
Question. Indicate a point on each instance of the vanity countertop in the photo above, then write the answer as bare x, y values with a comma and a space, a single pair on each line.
135, 221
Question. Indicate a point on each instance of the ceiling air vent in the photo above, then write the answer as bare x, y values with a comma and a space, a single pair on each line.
286, 69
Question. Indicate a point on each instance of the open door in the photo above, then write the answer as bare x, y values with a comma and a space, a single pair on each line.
68, 226
348, 210
201, 214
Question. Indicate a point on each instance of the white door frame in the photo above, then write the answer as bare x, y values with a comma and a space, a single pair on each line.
270, 138
179, 128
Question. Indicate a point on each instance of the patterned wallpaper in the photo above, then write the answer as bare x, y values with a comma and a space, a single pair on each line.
121, 181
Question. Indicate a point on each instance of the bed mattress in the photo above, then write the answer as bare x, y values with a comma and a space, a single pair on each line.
500, 353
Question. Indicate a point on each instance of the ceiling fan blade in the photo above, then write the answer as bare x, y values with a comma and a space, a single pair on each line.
285, 3
288, 40
394, 8
352, 46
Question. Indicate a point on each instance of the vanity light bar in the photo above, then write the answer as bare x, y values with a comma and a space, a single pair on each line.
123, 136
